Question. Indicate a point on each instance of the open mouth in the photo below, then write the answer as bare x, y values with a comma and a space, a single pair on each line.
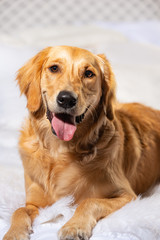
64, 125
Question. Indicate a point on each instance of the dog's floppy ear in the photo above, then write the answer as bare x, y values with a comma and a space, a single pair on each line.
28, 78
108, 86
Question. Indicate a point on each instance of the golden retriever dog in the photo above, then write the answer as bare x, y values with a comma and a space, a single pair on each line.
78, 140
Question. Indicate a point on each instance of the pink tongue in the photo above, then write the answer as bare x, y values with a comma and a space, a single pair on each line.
64, 130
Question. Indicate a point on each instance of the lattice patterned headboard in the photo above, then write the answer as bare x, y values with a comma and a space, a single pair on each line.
22, 14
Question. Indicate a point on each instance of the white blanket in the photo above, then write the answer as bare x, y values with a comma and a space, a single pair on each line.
134, 51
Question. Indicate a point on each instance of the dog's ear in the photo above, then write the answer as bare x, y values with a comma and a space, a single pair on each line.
29, 77
108, 86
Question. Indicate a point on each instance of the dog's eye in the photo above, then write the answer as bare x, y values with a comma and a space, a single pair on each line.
54, 68
89, 74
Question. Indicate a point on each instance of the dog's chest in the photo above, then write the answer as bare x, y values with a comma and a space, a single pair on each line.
68, 177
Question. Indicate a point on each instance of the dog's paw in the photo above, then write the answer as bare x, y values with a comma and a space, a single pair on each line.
74, 231
17, 234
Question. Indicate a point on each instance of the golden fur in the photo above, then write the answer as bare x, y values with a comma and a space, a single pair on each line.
113, 156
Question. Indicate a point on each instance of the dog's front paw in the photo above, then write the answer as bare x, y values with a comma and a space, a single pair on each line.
75, 231
18, 234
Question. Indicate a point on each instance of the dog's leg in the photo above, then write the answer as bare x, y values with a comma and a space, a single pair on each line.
21, 226
80, 226
22, 219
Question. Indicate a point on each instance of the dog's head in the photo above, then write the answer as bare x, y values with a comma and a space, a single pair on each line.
70, 83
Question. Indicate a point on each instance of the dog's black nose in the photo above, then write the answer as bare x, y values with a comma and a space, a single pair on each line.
66, 99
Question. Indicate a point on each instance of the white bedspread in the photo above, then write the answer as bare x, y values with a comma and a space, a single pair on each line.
134, 52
